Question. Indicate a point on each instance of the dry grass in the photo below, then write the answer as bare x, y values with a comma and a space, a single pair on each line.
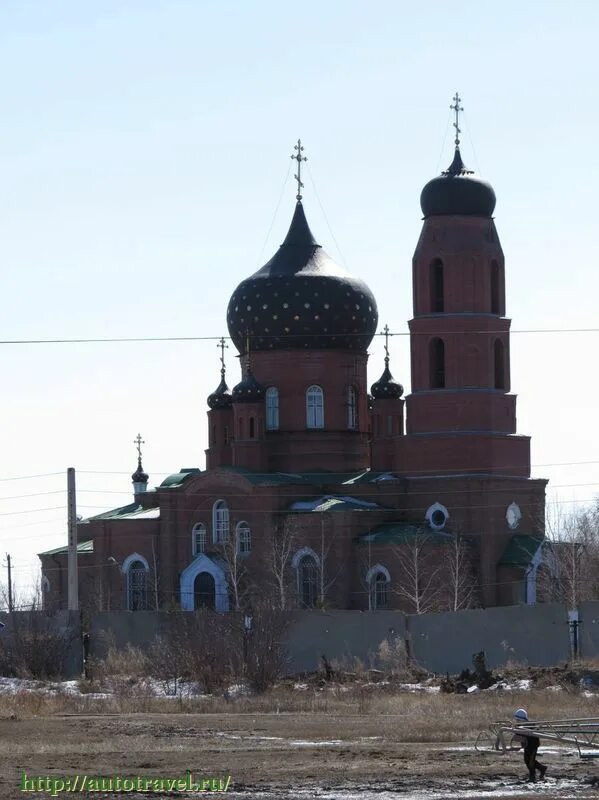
424, 717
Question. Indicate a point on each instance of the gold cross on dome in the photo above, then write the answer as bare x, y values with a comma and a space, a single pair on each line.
222, 346
299, 158
386, 335
138, 441
456, 107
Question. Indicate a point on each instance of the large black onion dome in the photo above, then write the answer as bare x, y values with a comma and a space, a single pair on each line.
301, 298
386, 388
458, 191
220, 397
139, 476
248, 390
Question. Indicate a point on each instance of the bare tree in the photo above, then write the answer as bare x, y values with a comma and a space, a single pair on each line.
236, 570
571, 558
458, 575
420, 572
326, 575
155, 575
282, 545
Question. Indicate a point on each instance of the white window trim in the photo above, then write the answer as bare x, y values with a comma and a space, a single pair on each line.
378, 569
297, 560
130, 559
352, 408
429, 516
272, 408
194, 531
314, 410
215, 509
125, 568
238, 527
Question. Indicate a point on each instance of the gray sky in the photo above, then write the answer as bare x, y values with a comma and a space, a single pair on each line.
143, 151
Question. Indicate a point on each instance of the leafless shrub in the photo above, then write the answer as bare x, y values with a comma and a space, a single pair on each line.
265, 655
33, 646
393, 656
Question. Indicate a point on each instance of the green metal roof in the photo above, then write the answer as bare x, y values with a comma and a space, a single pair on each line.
179, 478
311, 478
521, 550
403, 533
82, 547
333, 503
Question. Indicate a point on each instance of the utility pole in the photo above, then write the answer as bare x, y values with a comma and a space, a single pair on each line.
9, 568
73, 584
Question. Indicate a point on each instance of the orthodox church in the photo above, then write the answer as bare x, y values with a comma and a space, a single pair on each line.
320, 491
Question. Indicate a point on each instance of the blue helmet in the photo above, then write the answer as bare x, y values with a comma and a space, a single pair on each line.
521, 715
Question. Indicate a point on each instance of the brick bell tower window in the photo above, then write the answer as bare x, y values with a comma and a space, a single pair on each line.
352, 408
495, 288
437, 363
437, 287
314, 407
499, 360
272, 409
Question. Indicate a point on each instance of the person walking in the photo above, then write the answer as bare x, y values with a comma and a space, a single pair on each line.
531, 744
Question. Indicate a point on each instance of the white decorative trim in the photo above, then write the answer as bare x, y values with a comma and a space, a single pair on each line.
513, 512
125, 566
429, 516
531, 575
202, 563
305, 551
373, 571
214, 525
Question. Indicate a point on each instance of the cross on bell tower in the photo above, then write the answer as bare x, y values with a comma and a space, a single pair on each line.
298, 177
456, 108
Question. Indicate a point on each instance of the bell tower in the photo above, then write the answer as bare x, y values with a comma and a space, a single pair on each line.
460, 344
460, 452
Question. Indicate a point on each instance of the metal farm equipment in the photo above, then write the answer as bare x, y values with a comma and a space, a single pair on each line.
583, 733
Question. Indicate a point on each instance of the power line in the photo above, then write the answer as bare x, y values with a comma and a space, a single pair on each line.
321, 335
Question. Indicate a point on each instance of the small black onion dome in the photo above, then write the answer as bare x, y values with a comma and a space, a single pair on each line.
139, 476
248, 390
386, 388
220, 397
458, 191
301, 298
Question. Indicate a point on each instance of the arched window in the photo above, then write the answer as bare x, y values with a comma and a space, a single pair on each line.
198, 539
495, 288
499, 364
378, 580
272, 408
220, 522
252, 428
240, 428
214, 434
137, 586
314, 407
226, 434
352, 408
307, 581
244, 538
437, 363
437, 287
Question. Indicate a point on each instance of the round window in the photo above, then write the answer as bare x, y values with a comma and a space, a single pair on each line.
438, 518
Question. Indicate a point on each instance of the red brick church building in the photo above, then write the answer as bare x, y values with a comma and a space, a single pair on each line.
322, 490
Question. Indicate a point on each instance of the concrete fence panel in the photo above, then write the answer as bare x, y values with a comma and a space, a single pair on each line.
588, 629
341, 636
534, 635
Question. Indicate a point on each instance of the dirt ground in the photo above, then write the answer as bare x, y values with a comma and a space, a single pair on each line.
277, 756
